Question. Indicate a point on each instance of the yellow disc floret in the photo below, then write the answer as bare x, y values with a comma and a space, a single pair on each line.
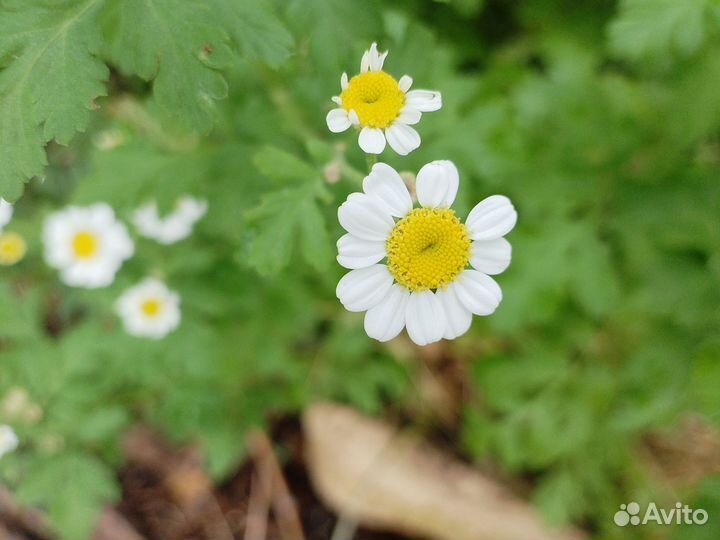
12, 248
376, 98
151, 307
84, 244
427, 249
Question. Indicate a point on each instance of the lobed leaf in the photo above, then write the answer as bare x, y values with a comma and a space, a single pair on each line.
49, 79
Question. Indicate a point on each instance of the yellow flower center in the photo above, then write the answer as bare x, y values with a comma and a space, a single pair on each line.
151, 307
12, 248
427, 249
85, 245
376, 98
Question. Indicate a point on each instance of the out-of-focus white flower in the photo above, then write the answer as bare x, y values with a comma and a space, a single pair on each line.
12, 248
88, 245
172, 228
18, 406
384, 109
427, 271
8, 440
149, 309
6, 212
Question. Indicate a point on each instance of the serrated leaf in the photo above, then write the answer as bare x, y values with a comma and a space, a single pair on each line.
282, 166
256, 30
179, 46
50, 78
87, 485
281, 217
654, 27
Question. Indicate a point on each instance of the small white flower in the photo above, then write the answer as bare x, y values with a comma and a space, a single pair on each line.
149, 309
87, 244
421, 268
172, 228
6, 212
383, 108
8, 440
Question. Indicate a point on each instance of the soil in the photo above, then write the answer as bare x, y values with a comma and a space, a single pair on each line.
152, 504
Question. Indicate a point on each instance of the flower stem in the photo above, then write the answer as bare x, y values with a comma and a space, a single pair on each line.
372, 159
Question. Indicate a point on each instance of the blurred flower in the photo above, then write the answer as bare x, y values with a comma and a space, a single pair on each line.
382, 107
12, 248
149, 309
87, 244
18, 406
425, 283
109, 139
172, 228
6, 212
8, 440
332, 172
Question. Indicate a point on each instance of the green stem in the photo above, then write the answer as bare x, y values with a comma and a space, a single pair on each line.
372, 159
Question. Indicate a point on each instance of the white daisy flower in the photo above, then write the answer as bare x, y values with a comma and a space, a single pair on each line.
6, 212
8, 440
149, 309
87, 244
172, 228
383, 108
421, 268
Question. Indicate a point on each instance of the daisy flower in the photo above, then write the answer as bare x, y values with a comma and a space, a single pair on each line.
6, 212
149, 309
172, 228
384, 109
421, 268
12, 248
86, 244
8, 440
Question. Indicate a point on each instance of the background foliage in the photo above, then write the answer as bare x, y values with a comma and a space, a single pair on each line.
600, 120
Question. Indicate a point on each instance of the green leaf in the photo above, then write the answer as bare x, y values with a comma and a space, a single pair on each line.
86, 486
282, 166
282, 216
256, 30
50, 77
178, 45
655, 27
705, 380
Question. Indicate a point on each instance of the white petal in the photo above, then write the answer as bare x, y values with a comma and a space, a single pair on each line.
380, 61
354, 120
387, 319
478, 292
366, 217
385, 183
337, 120
409, 115
402, 138
363, 289
491, 256
371, 140
491, 218
6, 212
372, 60
405, 83
457, 316
336, 100
424, 318
437, 184
344, 81
424, 100
354, 252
